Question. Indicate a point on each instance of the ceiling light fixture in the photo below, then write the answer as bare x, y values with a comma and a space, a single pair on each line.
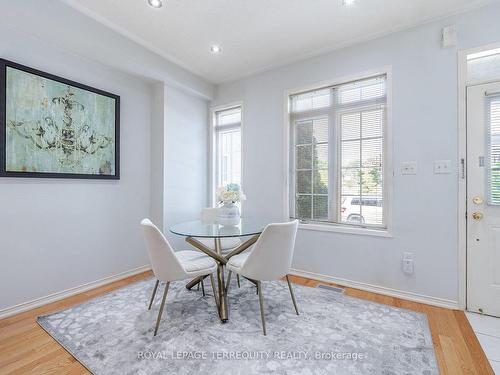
155, 3
215, 49
347, 3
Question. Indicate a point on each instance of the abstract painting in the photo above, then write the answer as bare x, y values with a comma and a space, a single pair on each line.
53, 127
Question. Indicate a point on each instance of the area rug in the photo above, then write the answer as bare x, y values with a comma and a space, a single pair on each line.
334, 334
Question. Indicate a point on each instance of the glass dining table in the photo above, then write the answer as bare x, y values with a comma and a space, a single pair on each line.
193, 230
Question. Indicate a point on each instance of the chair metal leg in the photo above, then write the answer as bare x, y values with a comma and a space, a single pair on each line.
154, 293
293, 296
238, 279
261, 302
212, 281
229, 280
161, 307
202, 286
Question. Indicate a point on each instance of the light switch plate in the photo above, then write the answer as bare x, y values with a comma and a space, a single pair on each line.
442, 166
409, 167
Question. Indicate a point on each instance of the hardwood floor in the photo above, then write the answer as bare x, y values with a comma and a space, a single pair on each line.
25, 348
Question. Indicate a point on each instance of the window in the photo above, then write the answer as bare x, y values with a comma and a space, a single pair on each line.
227, 146
493, 143
483, 66
337, 153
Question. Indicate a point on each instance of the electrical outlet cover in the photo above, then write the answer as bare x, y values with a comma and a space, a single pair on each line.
408, 167
442, 166
408, 266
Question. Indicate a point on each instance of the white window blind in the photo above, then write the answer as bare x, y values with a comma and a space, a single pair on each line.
312, 168
493, 145
227, 150
337, 153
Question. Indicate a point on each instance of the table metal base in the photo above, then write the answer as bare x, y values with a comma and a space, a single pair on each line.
221, 263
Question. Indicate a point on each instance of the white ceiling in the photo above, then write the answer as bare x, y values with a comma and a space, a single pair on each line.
258, 34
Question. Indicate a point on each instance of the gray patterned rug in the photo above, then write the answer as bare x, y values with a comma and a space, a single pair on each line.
335, 334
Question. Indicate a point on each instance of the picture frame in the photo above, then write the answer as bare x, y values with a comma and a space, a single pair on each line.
53, 127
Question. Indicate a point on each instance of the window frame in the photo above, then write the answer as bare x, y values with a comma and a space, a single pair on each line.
334, 141
213, 147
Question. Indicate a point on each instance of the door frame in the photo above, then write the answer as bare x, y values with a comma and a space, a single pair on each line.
463, 83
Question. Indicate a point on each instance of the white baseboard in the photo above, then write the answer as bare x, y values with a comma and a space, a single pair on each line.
410, 296
25, 306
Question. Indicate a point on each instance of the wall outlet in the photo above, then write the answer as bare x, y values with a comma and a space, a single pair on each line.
409, 167
407, 263
442, 166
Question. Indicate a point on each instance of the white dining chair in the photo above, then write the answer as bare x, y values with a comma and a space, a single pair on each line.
169, 265
270, 259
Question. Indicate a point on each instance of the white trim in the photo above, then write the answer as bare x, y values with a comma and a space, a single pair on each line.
410, 296
211, 159
242, 156
347, 229
462, 180
463, 82
388, 146
29, 305
286, 154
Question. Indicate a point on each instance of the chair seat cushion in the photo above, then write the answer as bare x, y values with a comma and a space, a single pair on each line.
226, 243
236, 262
194, 261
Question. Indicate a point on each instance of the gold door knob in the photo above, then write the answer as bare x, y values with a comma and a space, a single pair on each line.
477, 215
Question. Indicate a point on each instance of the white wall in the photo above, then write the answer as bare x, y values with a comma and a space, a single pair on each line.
179, 147
424, 113
158, 140
186, 150
59, 233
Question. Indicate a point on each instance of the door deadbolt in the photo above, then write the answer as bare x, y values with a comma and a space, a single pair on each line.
478, 200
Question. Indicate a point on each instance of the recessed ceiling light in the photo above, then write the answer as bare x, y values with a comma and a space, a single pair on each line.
215, 49
155, 3
347, 3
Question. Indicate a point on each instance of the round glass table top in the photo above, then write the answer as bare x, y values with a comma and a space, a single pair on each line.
198, 228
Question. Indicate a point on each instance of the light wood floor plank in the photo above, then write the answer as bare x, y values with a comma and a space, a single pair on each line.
25, 348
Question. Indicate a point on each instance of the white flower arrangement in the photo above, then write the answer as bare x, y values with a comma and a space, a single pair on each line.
230, 193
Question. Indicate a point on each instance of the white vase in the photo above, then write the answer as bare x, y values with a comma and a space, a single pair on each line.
229, 214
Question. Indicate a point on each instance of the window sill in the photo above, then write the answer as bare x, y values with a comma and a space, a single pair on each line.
346, 229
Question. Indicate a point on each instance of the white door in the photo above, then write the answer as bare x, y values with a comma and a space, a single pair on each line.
483, 198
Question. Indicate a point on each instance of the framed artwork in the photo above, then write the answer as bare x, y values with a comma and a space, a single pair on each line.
56, 128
